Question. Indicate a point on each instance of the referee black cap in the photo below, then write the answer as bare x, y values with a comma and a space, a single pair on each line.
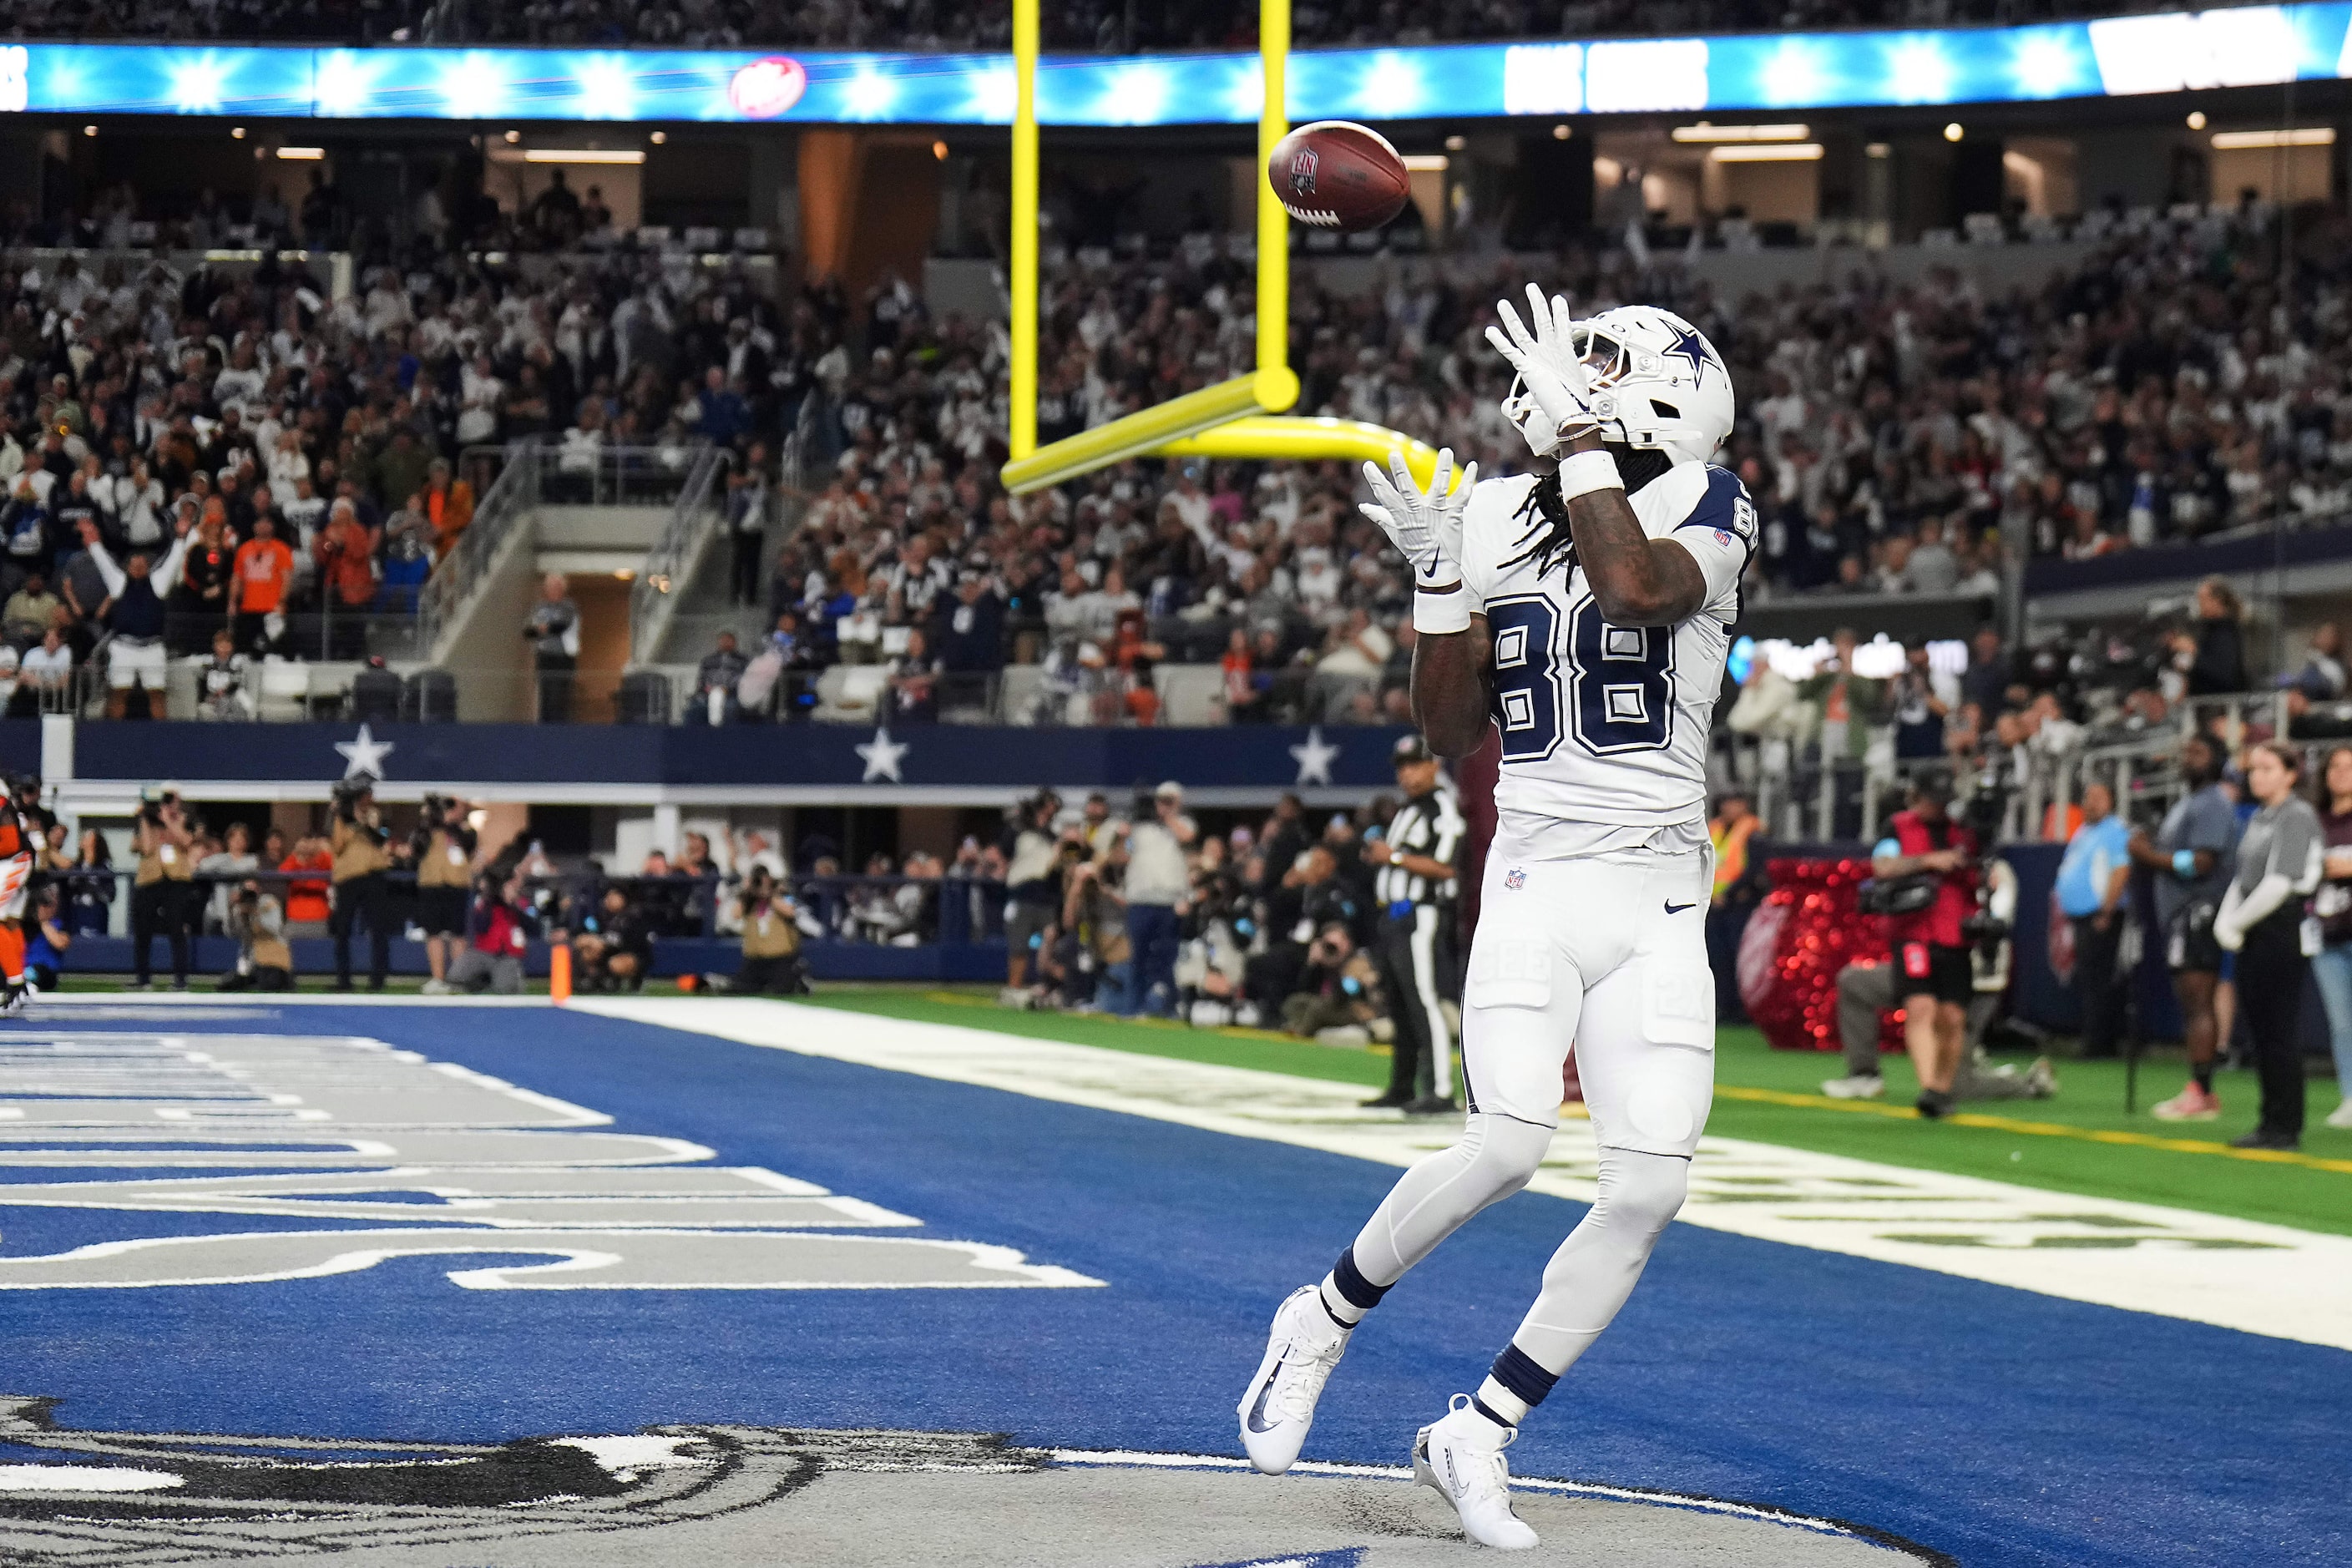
1411, 749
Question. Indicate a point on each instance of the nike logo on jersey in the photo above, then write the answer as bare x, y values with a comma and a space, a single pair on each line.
1257, 1421
1677, 908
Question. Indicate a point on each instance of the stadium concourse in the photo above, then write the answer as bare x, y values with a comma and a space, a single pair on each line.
739, 1281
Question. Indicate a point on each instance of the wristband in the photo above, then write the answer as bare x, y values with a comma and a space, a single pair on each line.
2184, 865
1584, 472
1441, 612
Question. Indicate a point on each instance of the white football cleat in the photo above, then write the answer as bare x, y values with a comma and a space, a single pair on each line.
1462, 1462
1278, 1405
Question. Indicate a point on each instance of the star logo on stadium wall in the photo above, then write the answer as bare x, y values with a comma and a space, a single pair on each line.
882, 757
365, 756
1689, 345
1315, 758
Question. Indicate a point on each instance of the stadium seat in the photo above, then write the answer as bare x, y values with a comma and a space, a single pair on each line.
285, 689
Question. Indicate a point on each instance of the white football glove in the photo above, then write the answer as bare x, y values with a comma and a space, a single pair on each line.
1556, 405
1424, 525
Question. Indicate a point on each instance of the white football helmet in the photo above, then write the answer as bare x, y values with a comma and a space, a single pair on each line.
1656, 382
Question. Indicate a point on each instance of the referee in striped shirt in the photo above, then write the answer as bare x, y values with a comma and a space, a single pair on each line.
1413, 889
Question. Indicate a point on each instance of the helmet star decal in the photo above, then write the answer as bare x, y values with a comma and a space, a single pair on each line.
1689, 345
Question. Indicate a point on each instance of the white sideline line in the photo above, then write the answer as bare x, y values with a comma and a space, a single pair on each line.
2233, 1273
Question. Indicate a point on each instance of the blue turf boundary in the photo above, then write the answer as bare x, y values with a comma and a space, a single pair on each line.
1999, 1426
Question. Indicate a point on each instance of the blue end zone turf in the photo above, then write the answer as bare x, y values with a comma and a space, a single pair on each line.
1999, 1427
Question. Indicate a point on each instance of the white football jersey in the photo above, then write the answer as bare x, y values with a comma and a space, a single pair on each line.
1604, 726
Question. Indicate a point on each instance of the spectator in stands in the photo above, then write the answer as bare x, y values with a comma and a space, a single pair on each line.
200, 600
44, 677
1158, 884
2214, 656
771, 964
500, 928
30, 609
2092, 881
751, 504
914, 683
554, 633
2279, 862
133, 612
258, 586
2190, 860
345, 555
969, 632
358, 841
222, 691
1847, 704
161, 839
716, 681
446, 504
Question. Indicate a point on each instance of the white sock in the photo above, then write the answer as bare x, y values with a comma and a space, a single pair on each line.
1501, 1401
1344, 1312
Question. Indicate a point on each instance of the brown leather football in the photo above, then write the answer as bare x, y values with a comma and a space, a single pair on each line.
1340, 175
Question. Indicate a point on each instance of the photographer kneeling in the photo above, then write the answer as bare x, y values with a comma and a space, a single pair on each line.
1925, 871
263, 960
497, 928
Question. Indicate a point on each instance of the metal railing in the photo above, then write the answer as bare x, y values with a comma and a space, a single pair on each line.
670, 565
455, 576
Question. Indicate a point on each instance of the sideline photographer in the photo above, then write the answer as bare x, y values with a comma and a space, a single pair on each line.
162, 888
443, 849
1925, 871
358, 841
265, 962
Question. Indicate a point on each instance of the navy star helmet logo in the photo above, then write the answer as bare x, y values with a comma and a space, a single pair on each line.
1689, 345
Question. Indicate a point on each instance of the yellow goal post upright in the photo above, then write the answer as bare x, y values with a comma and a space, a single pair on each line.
1240, 418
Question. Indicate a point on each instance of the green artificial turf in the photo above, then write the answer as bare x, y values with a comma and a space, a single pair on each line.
2081, 1142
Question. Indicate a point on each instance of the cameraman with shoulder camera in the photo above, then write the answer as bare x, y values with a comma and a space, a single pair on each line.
160, 889
1935, 858
358, 840
443, 849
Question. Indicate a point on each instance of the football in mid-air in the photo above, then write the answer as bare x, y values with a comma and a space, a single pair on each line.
1340, 175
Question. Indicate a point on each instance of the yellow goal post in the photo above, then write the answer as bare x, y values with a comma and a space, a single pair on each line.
1240, 418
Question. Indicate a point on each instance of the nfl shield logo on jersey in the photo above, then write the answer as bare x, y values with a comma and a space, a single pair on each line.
1515, 879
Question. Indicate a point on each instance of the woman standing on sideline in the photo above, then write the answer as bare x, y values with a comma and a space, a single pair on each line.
2333, 966
2262, 921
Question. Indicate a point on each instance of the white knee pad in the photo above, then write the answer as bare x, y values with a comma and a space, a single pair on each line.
1596, 1267
1494, 1158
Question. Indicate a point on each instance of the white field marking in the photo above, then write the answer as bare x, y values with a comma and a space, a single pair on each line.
2209, 1268
85, 1478
1121, 1458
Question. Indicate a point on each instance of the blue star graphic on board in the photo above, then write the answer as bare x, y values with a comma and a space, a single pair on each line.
1690, 346
363, 756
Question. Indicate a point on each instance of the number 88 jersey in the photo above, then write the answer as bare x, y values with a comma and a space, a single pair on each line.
1605, 724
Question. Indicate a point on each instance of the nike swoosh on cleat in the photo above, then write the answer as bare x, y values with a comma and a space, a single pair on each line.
1257, 1410
1677, 908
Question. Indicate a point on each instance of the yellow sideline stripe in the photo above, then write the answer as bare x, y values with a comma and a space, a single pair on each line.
2035, 1129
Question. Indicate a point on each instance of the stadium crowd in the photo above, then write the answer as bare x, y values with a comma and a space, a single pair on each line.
1094, 26
309, 451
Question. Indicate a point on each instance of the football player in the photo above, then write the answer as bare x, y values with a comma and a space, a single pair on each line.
20, 840
1585, 613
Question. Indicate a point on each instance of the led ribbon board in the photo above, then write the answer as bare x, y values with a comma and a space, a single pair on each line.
2169, 52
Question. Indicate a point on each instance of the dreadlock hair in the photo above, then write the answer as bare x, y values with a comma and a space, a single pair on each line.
1546, 537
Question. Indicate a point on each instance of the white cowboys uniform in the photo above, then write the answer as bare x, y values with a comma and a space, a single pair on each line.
1592, 927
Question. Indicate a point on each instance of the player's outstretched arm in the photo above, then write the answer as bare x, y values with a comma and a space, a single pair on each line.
1637, 581
1449, 688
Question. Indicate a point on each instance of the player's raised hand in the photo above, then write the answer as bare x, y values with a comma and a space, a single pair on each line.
1555, 405
1424, 525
